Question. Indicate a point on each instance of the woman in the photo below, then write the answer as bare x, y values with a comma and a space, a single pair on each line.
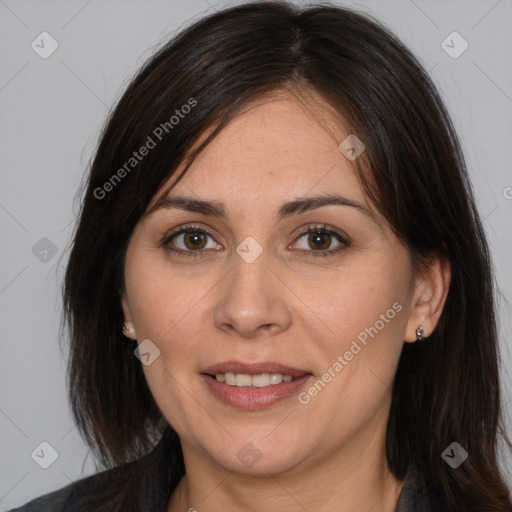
280, 279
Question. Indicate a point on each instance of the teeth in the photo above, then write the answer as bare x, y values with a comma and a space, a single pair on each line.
242, 380
256, 381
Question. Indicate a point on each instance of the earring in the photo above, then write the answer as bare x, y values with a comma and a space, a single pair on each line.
128, 330
419, 333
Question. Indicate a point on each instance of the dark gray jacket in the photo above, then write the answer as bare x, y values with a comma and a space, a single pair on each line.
156, 491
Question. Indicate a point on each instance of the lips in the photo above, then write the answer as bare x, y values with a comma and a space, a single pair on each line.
255, 368
254, 398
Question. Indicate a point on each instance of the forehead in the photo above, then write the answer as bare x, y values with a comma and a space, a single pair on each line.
278, 147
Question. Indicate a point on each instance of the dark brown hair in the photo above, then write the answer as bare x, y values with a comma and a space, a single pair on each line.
413, 170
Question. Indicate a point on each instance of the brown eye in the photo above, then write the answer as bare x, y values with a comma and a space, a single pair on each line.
319, 240
194, 240
190, 241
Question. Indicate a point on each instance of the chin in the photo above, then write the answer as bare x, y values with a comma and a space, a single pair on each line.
259, 457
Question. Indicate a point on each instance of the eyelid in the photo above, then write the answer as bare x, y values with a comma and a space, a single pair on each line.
184, 228
320, 226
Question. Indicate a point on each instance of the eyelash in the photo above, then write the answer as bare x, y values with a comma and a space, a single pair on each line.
311, 229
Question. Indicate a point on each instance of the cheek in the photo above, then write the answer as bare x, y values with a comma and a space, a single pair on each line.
165, 306
364, 309
364, 299
365, 312
162, 297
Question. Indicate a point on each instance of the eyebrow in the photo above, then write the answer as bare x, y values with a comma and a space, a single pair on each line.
293, 207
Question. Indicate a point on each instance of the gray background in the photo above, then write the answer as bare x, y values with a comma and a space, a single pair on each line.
52, 111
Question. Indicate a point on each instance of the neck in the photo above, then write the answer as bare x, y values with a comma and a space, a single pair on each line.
355, 477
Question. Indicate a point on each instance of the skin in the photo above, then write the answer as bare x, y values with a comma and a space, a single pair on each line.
328, 454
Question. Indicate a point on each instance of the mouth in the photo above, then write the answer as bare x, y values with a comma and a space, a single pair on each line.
253, 386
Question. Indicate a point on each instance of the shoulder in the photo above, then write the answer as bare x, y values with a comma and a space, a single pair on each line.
416, 495
142, 484
75, 496
54, 501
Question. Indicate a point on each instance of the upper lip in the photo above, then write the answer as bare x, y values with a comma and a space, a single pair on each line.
254, 368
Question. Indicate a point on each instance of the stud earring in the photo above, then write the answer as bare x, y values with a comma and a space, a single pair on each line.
128, 329
419, 333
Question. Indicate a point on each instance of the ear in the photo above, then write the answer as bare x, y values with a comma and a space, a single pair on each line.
429, 294
129, 332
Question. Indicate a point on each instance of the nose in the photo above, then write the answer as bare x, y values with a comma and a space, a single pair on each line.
252, 300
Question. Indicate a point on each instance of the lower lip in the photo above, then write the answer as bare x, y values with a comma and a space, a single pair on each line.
254, 399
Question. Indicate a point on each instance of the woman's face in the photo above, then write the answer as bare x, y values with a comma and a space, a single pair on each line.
251, 292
